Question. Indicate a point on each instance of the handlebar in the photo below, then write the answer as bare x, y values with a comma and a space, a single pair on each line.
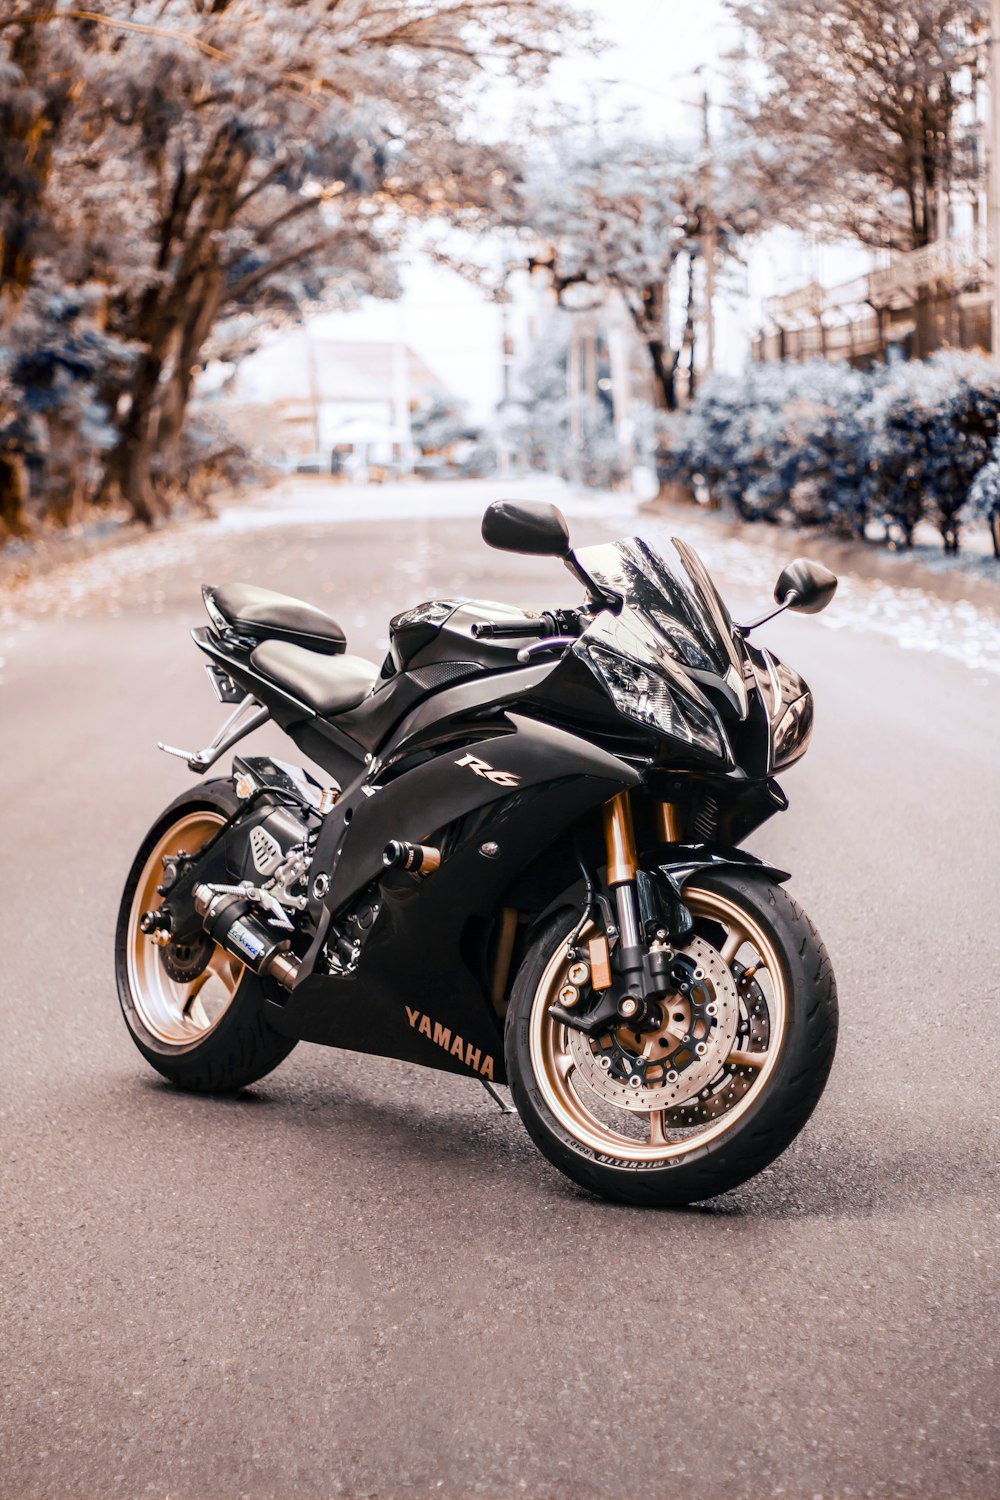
512, 631
554, 622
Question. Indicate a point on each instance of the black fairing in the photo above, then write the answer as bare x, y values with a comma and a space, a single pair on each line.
495, 763
424, 945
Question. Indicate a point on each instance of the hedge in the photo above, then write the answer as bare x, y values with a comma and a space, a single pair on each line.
850, 450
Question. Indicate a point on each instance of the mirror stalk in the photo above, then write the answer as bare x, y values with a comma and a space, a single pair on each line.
600, 597
804, 586
789, 603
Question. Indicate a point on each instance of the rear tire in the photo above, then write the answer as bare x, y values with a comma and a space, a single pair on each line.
215, 1050
769, 1103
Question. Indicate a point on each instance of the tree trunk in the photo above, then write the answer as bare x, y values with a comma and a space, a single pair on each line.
950, 527
650, 319
32, 135
924, 338
171, 425
198, 325
134, 478
165, 314
664, 366
13, 494
130, 462
689, 330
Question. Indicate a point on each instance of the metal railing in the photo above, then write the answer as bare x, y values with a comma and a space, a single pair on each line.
957, 264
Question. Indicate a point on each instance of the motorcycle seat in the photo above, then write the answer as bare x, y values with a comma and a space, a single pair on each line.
262, 612
328, 685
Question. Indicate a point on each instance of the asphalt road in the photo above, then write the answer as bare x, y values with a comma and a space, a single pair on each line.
360, 1278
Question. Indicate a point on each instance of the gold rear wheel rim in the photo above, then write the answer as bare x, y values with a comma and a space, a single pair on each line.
174, 1012
554, 1067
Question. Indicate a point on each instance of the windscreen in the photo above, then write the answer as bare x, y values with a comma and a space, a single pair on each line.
692, 623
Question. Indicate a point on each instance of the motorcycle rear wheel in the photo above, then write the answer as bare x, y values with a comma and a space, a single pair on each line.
207, 1030
759, 940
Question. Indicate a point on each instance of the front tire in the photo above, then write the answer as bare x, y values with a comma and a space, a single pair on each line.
771, 983
199, 1017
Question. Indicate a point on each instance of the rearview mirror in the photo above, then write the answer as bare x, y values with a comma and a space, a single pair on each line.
526, 526
805, 586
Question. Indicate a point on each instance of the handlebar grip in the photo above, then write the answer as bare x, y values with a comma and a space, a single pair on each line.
513, 631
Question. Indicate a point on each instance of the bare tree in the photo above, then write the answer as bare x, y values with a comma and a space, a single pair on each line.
621, 214
194, 160
857, 111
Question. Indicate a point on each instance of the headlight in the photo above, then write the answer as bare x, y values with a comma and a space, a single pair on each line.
645, 695
793, 731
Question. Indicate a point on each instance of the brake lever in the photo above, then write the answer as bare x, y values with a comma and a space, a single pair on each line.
549, 644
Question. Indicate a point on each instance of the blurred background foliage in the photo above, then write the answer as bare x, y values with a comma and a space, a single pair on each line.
180, 177
167, 167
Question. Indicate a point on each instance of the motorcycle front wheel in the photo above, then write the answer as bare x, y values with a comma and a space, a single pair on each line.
716, 1088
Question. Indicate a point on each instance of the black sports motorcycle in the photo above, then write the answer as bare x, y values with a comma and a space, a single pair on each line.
521, 863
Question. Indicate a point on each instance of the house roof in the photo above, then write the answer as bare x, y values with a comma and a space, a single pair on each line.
304, 368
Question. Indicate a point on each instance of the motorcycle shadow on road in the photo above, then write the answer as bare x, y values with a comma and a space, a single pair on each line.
435, 1131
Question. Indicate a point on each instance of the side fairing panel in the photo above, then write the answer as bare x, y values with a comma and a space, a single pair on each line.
419, 989
419, 802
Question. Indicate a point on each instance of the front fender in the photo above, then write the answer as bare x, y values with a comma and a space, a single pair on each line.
682, 863
688, 860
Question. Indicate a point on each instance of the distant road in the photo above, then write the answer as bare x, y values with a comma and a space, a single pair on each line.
360, 1279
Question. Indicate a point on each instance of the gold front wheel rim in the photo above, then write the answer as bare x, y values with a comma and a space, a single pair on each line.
177, 1013
554, 1066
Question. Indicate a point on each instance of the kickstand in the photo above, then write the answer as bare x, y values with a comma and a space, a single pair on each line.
505, 1109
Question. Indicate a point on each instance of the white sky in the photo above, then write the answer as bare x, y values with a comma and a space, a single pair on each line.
651, 70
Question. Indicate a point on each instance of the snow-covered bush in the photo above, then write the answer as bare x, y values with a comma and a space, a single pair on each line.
780, 442
55, 423
825, 444
928, 431
984, 496
211, 458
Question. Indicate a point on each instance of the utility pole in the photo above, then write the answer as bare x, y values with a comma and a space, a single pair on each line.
590, 362
573, 384
506, 358
620, 395
313, 388
994, 180
709, 237
506, 346
401, 395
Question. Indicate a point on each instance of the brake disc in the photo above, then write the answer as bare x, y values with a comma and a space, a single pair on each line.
674, 1062
753, 1034
184, 962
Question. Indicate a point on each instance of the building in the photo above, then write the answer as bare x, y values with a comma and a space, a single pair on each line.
337, 406
934, 298
944, 295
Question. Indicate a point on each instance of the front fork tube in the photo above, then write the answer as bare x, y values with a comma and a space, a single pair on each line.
619, 840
